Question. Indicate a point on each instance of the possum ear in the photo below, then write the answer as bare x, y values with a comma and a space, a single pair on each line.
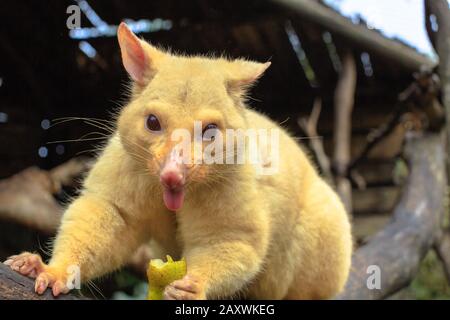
139, 58
243, 74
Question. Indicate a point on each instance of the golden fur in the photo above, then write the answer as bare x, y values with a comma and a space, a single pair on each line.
282, 236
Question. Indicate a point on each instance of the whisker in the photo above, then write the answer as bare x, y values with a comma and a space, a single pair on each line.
284, 121
90, 283
58, 121
307, 138
75, 140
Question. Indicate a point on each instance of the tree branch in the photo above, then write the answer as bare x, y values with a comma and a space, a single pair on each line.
440, 38
399, 248
441, 42
14, 286
27, 197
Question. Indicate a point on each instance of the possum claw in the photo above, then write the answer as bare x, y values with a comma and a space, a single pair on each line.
59, 287
41, 284
31, 265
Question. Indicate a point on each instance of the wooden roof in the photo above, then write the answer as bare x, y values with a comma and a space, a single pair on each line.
46, 76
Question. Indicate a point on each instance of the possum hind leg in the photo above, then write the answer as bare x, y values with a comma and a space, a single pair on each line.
324, 262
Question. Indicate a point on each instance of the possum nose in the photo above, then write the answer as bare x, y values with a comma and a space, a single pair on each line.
172, 179
172, 175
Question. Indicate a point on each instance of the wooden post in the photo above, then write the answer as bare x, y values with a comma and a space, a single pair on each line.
343, 107
440, 39
441, 42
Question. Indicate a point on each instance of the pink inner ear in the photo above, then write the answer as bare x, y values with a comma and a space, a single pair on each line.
133, 54
252, 74
258, 72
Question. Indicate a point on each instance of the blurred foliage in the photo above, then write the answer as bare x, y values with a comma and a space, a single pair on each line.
429, 283
401, 171
122, 284
129, 287
139, 293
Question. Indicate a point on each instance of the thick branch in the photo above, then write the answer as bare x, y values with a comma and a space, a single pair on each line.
14, 286
398, 249
441, 41
27, 197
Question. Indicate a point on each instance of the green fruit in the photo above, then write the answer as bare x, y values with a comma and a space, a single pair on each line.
160, 274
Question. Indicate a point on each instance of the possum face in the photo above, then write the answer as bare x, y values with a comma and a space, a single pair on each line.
180, 106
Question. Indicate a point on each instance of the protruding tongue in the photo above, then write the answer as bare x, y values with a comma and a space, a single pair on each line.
172, 178
173, 199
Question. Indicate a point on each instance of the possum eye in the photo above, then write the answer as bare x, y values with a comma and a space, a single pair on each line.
152, 123
210, 131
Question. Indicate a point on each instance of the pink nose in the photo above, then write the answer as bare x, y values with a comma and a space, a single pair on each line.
172, 179
172, 173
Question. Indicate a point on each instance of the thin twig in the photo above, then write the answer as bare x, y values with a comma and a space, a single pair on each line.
309, 127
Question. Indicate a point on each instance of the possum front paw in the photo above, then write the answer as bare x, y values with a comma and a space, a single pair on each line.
31, 265
27, 264
188, 288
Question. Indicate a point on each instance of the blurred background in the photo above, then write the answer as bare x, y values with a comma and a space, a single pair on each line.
349, 78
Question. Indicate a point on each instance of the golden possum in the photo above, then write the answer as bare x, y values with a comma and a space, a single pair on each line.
243, 234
